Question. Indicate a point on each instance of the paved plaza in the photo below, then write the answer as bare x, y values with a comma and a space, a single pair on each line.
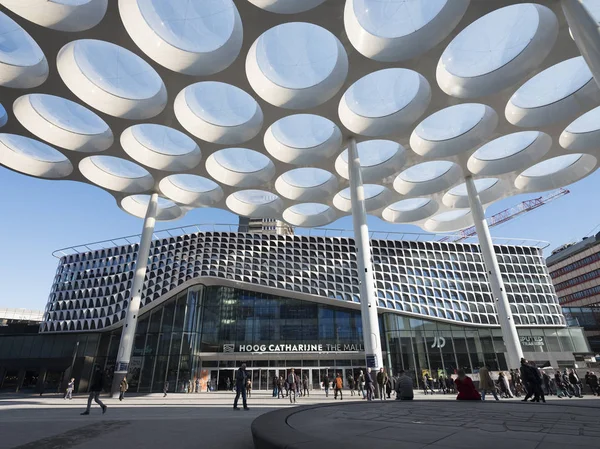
207, 420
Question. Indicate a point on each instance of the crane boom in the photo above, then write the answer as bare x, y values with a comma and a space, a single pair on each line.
509, 214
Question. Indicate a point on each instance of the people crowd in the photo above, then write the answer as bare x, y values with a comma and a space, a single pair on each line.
532, 383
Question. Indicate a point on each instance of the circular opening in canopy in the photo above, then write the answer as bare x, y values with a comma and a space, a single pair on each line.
255, 196
491, 41
33, 157
371, 191
241, 160
118, 167
297, 55
451, 122
426, 171
162, 139
409, 204
193, 183
374, 152
303, 130
306, 177
309, 208
116, 70
481, 185
551, 166
196, 26
506, 146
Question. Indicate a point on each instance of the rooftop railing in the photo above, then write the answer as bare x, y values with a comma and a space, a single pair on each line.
283, 230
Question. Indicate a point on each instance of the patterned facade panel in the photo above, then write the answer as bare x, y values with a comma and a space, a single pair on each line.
436, 280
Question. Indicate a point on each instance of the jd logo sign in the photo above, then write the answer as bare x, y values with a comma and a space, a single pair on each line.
439, 342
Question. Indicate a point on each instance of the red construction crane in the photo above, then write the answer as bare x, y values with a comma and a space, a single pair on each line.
509, 214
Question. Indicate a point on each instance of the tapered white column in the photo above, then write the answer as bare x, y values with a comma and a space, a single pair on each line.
128, 332
509, 330
368, 301
586, 33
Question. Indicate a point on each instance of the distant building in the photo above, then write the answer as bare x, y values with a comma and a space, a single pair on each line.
575, 272
264, 226
25, 316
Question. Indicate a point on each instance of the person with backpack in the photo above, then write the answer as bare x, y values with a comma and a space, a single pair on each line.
95, 390
241, 377
292, 381
326, 384
337, 387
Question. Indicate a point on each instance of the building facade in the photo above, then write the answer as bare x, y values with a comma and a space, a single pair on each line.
575, 272
213, 300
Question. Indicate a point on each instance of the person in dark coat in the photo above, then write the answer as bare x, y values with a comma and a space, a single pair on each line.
369, 385
95, 390
241, 377
465, 387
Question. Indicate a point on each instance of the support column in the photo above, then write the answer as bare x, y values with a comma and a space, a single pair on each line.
368, 302
128, 332
509, 330
586, 34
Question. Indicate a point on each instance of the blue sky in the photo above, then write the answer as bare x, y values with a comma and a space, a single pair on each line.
40, 216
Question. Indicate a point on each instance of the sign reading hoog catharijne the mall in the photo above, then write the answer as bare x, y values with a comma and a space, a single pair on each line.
320, 347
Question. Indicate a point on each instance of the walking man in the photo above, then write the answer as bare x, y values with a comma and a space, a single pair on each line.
339, 384
165, 388
123, 387
369, 385
326, 384
95, 390
241, 377
351, 384
197, 385
305, 386
382, 379
576, 383
361, 384
292, 381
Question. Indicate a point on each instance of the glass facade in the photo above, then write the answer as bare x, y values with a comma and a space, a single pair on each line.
201, 334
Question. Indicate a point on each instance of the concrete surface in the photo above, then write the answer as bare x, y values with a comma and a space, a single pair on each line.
207, 421
433, 424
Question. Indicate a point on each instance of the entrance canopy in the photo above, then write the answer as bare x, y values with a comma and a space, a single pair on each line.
248, 105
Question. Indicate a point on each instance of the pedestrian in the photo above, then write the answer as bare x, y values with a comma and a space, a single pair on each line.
351, 384
326, 384
576, 383
275, 386
165, 388
197, 385
241, 376
404, 387
504, 386
466, 388
361, 384
281, 384
587, 380
533, 381
450, 385
292, 381
594, 384
561, 389
382, 379
546, 379
339, 384
123, 387
248, 388
95, 390
305, 386
70, 388
486, 383
369, 385
227, 383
